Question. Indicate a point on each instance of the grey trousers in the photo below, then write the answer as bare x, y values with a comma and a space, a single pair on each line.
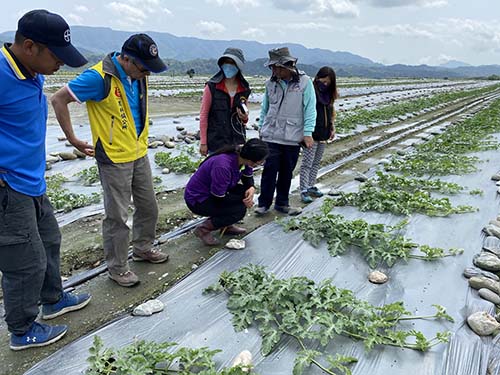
311, 159
30, 243
120, 182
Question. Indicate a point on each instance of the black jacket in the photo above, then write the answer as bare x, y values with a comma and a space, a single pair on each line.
224, 127
324, 123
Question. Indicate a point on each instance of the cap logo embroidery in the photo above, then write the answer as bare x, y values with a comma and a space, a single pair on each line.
153, 50
118, 94
67, 36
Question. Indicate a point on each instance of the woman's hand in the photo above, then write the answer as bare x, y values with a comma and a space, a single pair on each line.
203, 150
248, 199
242, 116
332, 134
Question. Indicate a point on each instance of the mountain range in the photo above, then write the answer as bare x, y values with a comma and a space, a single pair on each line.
183, 53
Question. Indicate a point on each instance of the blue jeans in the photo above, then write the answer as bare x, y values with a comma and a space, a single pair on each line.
277, 174
30, 243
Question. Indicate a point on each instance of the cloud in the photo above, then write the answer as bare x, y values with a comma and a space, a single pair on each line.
81, 8
402, 3
237, 4
475, 35
127, 13
75, 19
397, 30
253, 33
211, 27
302, 26
321, 8
135, 13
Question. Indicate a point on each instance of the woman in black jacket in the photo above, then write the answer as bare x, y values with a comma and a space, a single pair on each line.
325, 86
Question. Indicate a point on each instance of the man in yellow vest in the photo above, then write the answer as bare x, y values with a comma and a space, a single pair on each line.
115, 91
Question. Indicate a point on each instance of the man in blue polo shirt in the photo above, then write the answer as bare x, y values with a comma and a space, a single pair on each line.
29, 234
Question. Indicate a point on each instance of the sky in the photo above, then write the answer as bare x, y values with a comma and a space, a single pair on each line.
386, 31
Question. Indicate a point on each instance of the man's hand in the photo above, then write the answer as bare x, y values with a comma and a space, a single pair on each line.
82, 146
308, 141
248, 200
203, 150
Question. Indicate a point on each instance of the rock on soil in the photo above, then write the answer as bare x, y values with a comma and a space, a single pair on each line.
377, 277
235, 244
482, 323
473, 271
489, 295
487, 261
243, 359
148, 308
483, 282
67, 156
492, 244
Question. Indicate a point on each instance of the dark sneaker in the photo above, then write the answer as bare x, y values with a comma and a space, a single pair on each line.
305, 197
38, 335
314, 192
261, 211
124, 279
292, 211
151, 256
68, 302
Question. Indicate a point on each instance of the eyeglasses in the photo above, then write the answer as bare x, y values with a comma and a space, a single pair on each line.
142, 70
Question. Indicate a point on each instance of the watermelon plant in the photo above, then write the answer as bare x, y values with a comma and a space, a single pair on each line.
63, 199
182, 163
314, 314
400, 200
89, 175
379, 244
148, 357
446, 153
349, 120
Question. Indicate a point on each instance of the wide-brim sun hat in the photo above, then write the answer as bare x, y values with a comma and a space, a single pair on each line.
281, 57
234, 54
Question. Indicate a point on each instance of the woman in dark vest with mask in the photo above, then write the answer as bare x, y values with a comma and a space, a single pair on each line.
223, 188
222, 117
325, 86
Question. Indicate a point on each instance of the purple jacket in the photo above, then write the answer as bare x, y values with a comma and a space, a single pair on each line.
216, 176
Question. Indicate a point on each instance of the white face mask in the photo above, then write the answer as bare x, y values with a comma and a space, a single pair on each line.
229, 70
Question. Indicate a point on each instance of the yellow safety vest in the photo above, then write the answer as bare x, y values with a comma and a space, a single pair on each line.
112, 123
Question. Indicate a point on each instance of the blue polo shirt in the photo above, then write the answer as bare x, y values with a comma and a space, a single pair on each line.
215, 176
23, 126
90, 86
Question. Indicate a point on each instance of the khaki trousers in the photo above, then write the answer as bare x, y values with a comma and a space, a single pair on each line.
121, 182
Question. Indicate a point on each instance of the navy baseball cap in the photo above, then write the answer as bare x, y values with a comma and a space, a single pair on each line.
142, 48
51, 29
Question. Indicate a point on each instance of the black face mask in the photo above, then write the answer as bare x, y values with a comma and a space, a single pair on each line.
322, 87
324, 95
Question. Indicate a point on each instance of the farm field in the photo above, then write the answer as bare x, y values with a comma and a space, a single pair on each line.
395, 136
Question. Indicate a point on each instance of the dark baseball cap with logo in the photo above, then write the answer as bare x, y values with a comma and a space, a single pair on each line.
51, 29
142, 48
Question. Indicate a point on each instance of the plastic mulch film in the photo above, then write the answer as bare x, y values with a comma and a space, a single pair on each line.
194, 320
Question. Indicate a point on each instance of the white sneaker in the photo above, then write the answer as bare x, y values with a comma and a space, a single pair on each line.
261, 211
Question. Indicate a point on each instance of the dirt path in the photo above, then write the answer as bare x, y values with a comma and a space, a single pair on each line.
81, 248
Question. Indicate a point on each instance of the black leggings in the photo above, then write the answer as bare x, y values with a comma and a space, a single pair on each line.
223, 211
